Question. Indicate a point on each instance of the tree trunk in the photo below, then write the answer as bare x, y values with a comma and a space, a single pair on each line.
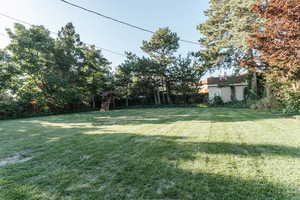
127, 101
155, 98
164, 98
127, 96
168, 93
254, 77
158, 97
114, 102
93, 102
169, 99
254, 84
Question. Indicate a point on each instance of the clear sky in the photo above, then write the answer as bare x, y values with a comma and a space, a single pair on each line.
181, 16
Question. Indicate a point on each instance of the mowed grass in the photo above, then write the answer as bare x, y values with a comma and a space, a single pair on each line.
167, 153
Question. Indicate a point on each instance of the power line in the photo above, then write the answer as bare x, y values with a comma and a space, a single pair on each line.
15, 19
119, 21
27, 23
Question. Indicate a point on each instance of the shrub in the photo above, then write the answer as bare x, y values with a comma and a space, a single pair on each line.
267, 103
12, 110
291, 102
237, 104
217, 101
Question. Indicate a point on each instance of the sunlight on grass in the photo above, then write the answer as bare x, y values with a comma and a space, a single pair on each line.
169, 153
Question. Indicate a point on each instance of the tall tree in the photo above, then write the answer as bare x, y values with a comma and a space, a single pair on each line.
8, 72
32, 52
226, 32
278, 40
124, 76
69, 63
161, 47
61, 73
225, 35
186, 74
94, 74
147, 72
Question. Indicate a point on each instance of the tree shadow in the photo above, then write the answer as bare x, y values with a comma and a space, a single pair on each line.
131, 166
247, 150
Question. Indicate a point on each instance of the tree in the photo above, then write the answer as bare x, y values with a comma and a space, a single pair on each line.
226, 32
32, 52
186, 74
8, 71
70, 60
161, 48
94, 75
225, 35
60, 73
148, 78
278, 41
124, 76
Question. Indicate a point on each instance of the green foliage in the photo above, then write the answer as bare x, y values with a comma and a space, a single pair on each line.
226, 33
124, 77
12, 109
7, 71
162, 46
266, 104
59, 74
217, 101
140, 77
185, 75
64, 74
291, 102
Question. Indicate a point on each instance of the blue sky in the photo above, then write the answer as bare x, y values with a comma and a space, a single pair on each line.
181, 16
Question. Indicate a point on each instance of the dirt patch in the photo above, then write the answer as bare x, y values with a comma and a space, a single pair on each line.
17, 158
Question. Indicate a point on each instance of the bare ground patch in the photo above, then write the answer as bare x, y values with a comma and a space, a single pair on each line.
16, 158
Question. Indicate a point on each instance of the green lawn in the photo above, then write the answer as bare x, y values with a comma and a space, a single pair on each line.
168, 153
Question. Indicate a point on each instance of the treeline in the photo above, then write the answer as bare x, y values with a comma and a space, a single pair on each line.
42, 74
162, 77
259, 36
39, 73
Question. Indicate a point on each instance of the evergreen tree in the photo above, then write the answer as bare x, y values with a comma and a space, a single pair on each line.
161, 48
226, 32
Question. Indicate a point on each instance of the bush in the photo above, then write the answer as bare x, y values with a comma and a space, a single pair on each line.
288, 94
237, 104
267, 103
291, 102
12, 110
217, 101
19, 109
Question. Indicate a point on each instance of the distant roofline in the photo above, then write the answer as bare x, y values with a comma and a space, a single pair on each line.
226, 80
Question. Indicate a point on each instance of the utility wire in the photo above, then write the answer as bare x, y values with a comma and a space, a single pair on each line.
27, 23
119, 21
15, 19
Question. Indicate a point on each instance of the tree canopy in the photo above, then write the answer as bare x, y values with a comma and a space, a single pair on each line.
56, 72
226, 32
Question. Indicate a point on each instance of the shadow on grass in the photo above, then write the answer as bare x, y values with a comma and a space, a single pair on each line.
247, 150
130, 166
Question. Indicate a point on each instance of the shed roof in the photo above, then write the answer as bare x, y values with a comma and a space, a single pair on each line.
227, 80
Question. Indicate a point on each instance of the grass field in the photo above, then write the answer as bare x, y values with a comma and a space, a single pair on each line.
167, 153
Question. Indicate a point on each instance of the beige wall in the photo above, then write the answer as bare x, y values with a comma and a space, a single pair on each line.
225, 93
239, 92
